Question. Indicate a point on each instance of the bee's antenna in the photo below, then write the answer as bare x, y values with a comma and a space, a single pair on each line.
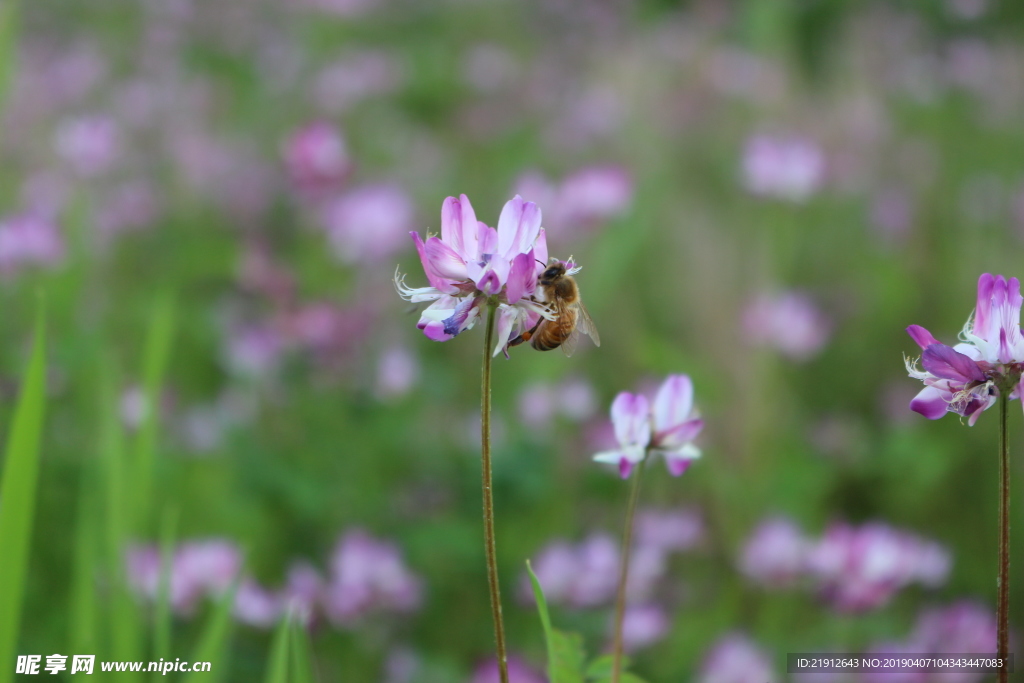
540, 262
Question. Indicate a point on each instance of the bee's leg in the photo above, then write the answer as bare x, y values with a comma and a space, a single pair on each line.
525, 336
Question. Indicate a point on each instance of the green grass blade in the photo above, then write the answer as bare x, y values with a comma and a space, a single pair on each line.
18, 497
213, 642
162, 625
157, 355
542, 607
302, 655
277, 663
84, 622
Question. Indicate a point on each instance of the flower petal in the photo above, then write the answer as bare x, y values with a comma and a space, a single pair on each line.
464, 316
679, 435
436, 281
518, 226
944, 362
679, 461
673, 403
921, 336
522, 279
459, 227
507, 316
540, 251
931, 402
630, 417
488, 238
445, 261
983, 310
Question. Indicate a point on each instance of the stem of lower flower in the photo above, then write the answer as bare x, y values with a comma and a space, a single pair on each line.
627, 545
489, 546
1003, 582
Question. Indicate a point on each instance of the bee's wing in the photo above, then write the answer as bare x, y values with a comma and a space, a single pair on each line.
572, 341
585, 324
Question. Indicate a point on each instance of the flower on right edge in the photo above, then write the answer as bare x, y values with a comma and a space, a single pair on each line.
966, 379
668, 427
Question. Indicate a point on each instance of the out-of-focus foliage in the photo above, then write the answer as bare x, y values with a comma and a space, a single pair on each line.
762, 195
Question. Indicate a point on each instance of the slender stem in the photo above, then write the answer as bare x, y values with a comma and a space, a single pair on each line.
1003, 582
489, 546
627, 545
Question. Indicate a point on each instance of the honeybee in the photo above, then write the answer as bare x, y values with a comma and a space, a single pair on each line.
562, 296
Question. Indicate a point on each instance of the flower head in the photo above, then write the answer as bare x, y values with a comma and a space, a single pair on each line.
471, 266
966, 379
668, 426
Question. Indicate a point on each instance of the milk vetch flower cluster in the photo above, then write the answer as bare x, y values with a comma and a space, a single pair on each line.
668, 426
472, 265
966, 379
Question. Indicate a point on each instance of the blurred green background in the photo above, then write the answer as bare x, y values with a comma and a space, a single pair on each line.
867, 156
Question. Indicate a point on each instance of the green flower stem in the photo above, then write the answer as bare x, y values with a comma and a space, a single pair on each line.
489, 546
1003, 582
627, 544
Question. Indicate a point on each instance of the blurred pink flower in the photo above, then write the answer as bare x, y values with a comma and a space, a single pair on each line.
669, 530
253, 350
471, 262
317, 159
966, 379
347, 81
735, 658
370, 223
303, 591
368, 576
29, 240
541, 402
584, 199
518, 672
775, 555
861, 568
643, 626
788, 322
963, 627
255, 605
398, 371
788, 168
90, 145
129, 206
892, 215
198, 569
667, 427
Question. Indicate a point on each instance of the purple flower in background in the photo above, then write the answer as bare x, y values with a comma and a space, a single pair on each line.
775, 555
198, 569
736, 659
90, 145
367, 576
471, 263
668, 426
518, 672
788, 322
255, 605
861, 568
541, 402
964, 627
398, 370
669, 530
585, 198
317, 159
643, 626
29, 240
789, 168
348, 81
369, 223
253, 350
303, 591
966, 379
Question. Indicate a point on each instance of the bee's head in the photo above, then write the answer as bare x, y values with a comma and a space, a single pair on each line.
555, 270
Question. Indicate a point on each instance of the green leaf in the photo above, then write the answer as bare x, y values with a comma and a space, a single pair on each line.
601, 667
566, 665
565, 650
302, 655
277, 663
84, 605
213, 642
18, 497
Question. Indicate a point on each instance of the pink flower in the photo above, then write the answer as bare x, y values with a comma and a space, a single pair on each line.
861, 568
962, 627
398, 370
966, 379
198, 569
667, 427
788, 322
584, 198
736, 659
90, 145
255, 605
317, 159
776, 553
669, 530
29, 240
472, 264
369, 223
788, 168
367, 576
643, 626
